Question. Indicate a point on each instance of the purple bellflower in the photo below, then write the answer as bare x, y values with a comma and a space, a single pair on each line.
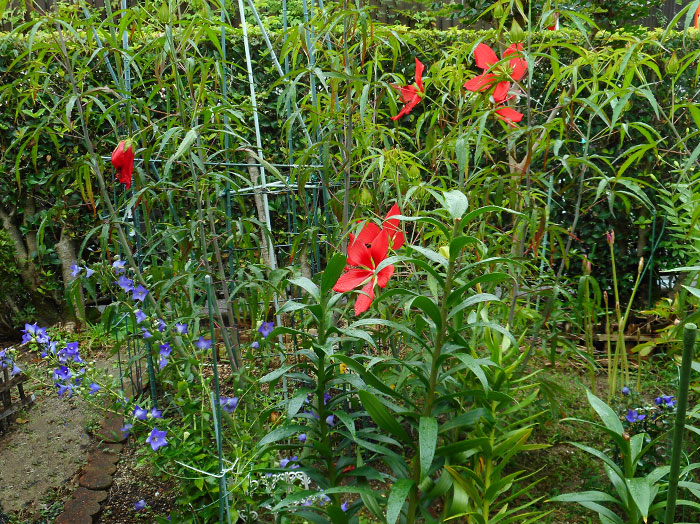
139, 293
157, 439
266, 328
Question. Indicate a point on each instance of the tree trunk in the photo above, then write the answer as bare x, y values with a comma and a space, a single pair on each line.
28, 270
254, 173
65, 249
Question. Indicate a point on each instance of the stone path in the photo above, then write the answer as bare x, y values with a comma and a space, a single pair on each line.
96, 478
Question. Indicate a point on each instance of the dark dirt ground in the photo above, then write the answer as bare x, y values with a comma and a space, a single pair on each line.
134, 482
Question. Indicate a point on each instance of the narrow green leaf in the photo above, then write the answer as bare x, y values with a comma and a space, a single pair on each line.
382, 417
397, 498
332, 273
277, 373
184, 146
640, 490
281, 433
308, 286
606, 414
474, 366
427, 439
592, 496
296, 402
429, 307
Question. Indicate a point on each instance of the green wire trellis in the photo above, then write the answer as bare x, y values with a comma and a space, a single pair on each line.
317, 195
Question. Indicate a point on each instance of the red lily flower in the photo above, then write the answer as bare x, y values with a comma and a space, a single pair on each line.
486, 59
123, 160
391, 225
411, 95
364, 273
555, 25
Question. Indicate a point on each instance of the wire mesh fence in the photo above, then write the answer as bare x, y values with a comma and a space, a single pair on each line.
440, 14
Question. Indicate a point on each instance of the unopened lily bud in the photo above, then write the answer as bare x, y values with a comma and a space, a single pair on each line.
164, 13
189, 65
586, 266
610, 236
365, 196
672, 64
516, 33
498, 10
605, 298
640, 266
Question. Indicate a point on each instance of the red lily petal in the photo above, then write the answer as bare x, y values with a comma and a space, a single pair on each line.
406, 93
501, 92
412, 104
384, 275
351, 279
509, 115
123, 160
397, 240
484, 56
480, 82
401, 113
369, 232
364, 300
517, 64
379, 248
393, 212
118, 156
391, 224
419, 74
359, 255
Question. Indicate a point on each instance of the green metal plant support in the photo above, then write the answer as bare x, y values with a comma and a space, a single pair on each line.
216, 406
689, 335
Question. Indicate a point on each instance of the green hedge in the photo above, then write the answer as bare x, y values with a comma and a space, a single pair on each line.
43, 155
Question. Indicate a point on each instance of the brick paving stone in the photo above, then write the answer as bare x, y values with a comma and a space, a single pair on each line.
111, 429
89, 495
95, 478
103, 458
111, 447
73, 514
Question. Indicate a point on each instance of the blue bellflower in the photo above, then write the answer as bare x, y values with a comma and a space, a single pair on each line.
75, 270
157, 439
633, 416
140, 413
139, 293
229, 405
203, 344
125, 283
266, 328
119, 266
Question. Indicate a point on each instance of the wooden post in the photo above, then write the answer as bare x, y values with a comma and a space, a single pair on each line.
9, 411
